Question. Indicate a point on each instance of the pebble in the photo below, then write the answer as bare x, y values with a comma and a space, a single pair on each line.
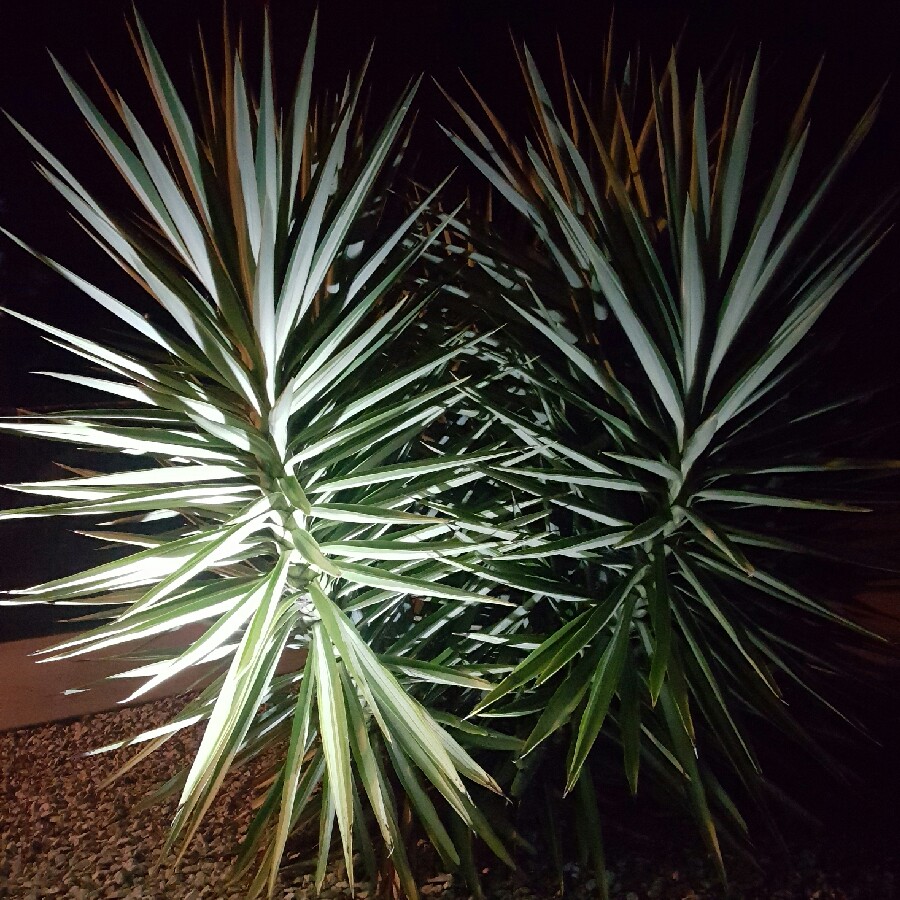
62, 837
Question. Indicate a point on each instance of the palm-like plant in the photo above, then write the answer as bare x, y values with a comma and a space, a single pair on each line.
270, 474
594, 500
660, 316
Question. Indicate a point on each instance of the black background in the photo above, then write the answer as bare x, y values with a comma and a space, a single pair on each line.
860, 43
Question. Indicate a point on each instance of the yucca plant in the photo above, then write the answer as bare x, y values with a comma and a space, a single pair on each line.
261, 457
509, 534
657, 327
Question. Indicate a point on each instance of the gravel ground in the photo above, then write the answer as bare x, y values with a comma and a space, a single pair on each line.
62, 837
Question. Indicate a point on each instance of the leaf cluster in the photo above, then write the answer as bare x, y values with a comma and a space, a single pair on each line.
514, 508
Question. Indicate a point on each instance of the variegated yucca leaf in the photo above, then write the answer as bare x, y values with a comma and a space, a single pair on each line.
656, 323
271, 481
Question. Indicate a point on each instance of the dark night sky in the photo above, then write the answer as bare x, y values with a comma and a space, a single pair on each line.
860, 41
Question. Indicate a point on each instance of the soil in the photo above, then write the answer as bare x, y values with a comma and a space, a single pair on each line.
61, 835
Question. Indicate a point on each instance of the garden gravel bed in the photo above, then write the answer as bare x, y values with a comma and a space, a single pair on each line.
61, 836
